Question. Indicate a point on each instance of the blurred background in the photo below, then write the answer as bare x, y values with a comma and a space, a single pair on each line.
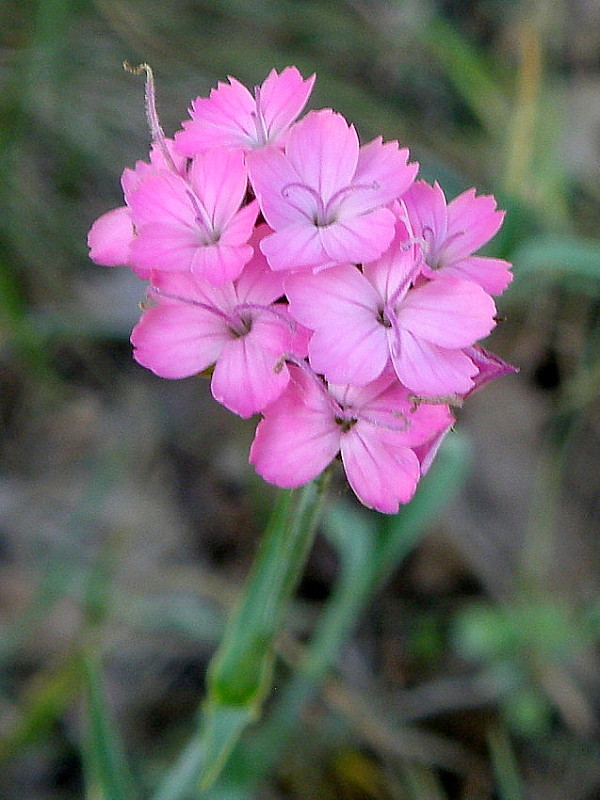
128, 512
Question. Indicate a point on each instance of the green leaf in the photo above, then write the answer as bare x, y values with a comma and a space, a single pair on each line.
469, 71
504, 762
107, 776
569, 260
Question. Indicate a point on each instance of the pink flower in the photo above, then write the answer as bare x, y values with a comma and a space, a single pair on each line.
232, 117
111, 236
195, 224
452, 233
363, 319
325, 197
373, 427
236, 326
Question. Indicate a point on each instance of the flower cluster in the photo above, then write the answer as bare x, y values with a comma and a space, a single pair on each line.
324, 287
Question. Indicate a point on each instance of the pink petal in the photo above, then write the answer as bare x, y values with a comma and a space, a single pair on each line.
448, 312
349, 345
218, 177
164, 246
426, 206
392, 272
427, 452
358, 239
298, 436
258, 283
472, 221
275, 183
323, 150
176, 340
110, 237
162, 197
349, 355
294, 247
337, 295
383, 172
282, 98
392, 408
241, 226
429, 370
218, 263
381, 473
249, 374
492, 274
224, 119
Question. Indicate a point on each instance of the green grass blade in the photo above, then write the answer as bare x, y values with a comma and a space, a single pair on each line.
107, 776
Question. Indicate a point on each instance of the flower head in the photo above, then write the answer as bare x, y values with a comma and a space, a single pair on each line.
349, 321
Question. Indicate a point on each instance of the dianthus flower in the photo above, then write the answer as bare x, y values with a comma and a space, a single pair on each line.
232, 117
451, 233
349, 320
365, 319
375, 428
237, 327
194, 224
325, 197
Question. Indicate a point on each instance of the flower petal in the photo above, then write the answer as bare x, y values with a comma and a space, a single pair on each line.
294, 247
381, 473
224, 119
298, 436
431, 371
249, 374
323, 150
218, 177
282, 98
472, 221
448, 312
175, 340
110, 237
492, 274
360, 238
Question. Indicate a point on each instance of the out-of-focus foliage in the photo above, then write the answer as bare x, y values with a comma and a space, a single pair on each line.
127, 513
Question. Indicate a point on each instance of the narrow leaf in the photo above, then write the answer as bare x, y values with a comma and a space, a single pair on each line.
107, 776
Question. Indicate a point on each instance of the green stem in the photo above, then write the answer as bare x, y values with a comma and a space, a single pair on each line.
239, 676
